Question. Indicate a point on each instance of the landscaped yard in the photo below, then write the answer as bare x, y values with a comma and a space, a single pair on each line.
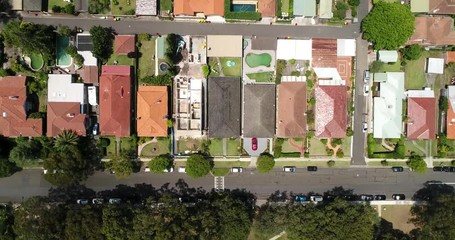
288, 148
286, 8
229, 164
162, 146
233, 147
398, 215
214, 67
147, 59
231, 66
112, 148
52, 3
305, 163
124, 7
410, 147
116, 59
188, 144
346, 146
317, 147
390, 163
415, 71
216, 147
391, 67
262, 76
166, 5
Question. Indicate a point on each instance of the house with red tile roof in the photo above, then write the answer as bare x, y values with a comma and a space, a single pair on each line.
124, 44
291, 117
14, 108
421, 123
65, 116
115, 101
451, 112
194, 7
331, 112
433, 31
152, 111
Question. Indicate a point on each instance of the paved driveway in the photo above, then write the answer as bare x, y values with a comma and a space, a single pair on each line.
262, 146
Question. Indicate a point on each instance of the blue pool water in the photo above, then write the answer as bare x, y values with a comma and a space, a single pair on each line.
243, 8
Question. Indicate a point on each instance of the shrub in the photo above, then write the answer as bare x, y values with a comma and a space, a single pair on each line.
412, 52
160, 163
354, 3
56, 9
340, 11
265, 163
143, 37
309, 83
443, 103
323, 141
384, 163
376, 66
306, 154
105, 142
291, 155
310, 134
280, 66
160, 80
130, 12
329, 151
340, 153
452, 163
69, 9
349, 132
206, 70
336, 141
312, 101
295, 73
330, 163
278, 147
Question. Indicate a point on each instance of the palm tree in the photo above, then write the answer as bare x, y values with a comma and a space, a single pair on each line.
65, 139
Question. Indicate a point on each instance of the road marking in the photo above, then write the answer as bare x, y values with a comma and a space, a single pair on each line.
219, 183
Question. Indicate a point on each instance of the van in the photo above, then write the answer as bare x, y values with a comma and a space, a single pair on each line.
366, 76
182, 170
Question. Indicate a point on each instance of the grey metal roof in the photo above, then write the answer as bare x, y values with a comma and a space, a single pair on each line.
224, 107
81, 5
259, 110
84, 43
32, 5
263, 43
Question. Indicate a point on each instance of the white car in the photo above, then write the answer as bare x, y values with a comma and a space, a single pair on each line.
289, 169
146, 169
182, 169
316, 198
97, 201
366, 89
171, 169
366, 76
364, 127
237, 169
115, 200
82, 201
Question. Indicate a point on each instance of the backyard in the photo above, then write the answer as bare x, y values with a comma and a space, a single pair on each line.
286, 8
147, 58
262, 76
116, 59
157, 147
256, 60
231, 66
415, 71
166, 5
123, 7
391, 67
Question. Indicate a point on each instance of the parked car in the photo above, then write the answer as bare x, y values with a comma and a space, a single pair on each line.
146, 169
236, 169
398, 197
115, 200
350, 197
82, 201
452, 169
366, 89
437, 169
366, 76
171, 169
288, 169
366, 197
182, 169
445, 169
397, 169
364, 127
380, 197
312, 168
316, 198
95, 129
254, 144
300, 198
97, 201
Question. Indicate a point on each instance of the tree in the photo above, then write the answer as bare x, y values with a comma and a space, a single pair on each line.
265, 163
160, 80
56, 9
64, 31
84, 222
388, 25
416, 163
173, 52
376, 66
443, 103
117, 221
354, 3
6, 222
160, 163
102, 43
412, 52
121, 166
24, 152
66, 138
197, 166
7, 168
69, 9
98, 6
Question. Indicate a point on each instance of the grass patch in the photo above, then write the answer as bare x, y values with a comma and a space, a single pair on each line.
216, 147
311, 163
233, 147
147, 59
346, 146
317, 147
410, 147
52, 3
215, 69
286, 8
288, 147
188, 144
262, 76
124, 7
398, 215
391, 163
415, 71
120, 60
235, 71
166, 5
229, 164
220, 171
125, 144
162, 146
111, 150
27, 164
391, 67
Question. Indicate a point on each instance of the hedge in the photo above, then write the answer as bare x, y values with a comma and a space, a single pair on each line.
290, 155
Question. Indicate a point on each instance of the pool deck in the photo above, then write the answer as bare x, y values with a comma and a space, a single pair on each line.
248, 70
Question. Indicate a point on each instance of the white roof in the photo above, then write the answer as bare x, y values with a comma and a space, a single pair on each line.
451, 95
325, 9
92, 99
426, 93
288, 49
346, 47
387, 114
435, 65
387, 56
60, 88
89, 59
224, 46
329, 76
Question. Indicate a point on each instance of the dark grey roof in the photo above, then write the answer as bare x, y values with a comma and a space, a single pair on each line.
263, 43
84, 43
224, 107
81, 5
32, 5
259, 110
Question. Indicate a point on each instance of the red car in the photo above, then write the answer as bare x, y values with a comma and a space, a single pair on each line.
254, 144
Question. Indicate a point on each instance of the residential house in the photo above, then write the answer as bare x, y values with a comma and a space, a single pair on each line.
89, 74
421, 122
115, 101
325, 9
152, 111
146, 7
451, 112
224, 107
32, 5
296, 49
267, 8
224, 46
443, 7
84, 46
305, 8
330, 111
387, 107
259, 110
435, 65
188, 107
433, 31
387, 56
14, 109
199, 8
124, 44
66, 105
291, 110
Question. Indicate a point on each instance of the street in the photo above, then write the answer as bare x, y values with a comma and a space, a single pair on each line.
29, 183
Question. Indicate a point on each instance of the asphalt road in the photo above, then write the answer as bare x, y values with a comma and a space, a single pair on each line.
363, 180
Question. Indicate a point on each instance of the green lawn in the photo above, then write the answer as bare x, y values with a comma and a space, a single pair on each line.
228, 164
52, 3
147, 59
415, 73
112, 148
304, 163
346, 146
391, 163
188, 144
157, 148
233, 147
166, 5
410, 147
262, 76
235, 70
391, 67
216, 147
124, 7
317, 147
286, 147
214, 67
220, 171
121, 60
286, 8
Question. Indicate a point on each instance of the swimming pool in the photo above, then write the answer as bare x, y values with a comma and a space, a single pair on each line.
243, 8
63, 58
36, 61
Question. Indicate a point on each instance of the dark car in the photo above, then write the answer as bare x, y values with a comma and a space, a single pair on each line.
254, 144
452, 169
380, 197
366, 197
445, 169
350, 197
437, 169
397, 169
398, 197
312, 168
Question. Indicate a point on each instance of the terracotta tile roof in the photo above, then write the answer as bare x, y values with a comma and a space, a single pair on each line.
13, 107
344, 67
267, 8
431, 31
152, 111
124, 44
450, 122
89, 74
421, 118
65, 116
450, 56
442, 7
291, 122
330, 112
324, 53
115, 101
192, 7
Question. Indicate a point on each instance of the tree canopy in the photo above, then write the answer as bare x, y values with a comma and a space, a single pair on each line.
412, 52
417, 164
103, 43
388, 25
121, 165
197, 166
265, 163
160, 80
160, 163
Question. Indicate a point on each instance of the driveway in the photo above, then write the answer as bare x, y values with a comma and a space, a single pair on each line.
262, 146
